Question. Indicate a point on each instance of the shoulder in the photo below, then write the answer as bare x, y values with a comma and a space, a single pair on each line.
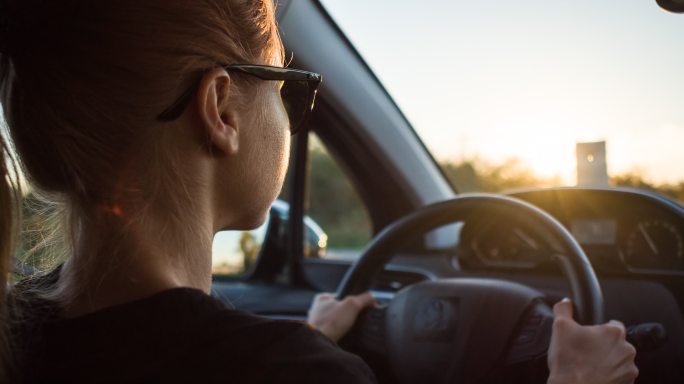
266, 350
317, 358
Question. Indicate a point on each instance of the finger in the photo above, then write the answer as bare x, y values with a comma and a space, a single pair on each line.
629, 353
362, 301
563, 308
617, 329
366, 300
624, 371
325, 296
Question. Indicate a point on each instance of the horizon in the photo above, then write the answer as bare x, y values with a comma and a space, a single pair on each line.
529, 73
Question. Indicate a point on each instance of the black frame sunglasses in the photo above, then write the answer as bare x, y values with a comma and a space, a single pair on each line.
298, 92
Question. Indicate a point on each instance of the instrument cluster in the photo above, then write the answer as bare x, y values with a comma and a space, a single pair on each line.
620, 230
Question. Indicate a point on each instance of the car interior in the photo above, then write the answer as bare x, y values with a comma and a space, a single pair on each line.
465, 281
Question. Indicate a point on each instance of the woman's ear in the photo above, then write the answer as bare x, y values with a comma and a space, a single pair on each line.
218, 112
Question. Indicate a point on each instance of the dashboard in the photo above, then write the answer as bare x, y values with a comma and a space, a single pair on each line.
623, 231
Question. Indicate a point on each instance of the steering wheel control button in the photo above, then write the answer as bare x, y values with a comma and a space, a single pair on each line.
374, 334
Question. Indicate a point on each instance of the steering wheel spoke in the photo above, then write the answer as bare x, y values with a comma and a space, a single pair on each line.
532, 337
368, 333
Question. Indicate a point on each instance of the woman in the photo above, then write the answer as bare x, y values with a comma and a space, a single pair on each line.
151, 125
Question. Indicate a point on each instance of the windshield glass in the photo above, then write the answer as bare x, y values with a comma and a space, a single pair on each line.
526, 93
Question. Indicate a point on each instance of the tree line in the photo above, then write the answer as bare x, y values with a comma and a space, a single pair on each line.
333, 203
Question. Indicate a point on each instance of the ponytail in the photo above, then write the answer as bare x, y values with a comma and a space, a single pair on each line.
10, 211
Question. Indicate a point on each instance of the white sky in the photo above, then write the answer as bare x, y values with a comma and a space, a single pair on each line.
530, 78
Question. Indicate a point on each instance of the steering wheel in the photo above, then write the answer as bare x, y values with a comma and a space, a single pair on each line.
458, 330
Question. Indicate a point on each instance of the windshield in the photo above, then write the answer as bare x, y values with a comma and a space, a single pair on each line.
517, 94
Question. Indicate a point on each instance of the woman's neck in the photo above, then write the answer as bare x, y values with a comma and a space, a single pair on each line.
114, 265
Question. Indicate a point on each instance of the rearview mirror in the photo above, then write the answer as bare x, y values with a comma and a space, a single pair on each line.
672, 5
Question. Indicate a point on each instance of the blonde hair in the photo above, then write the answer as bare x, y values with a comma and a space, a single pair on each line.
84, 81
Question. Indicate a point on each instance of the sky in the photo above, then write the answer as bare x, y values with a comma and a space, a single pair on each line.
527, 79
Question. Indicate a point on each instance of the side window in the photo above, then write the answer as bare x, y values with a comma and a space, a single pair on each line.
337, 218
234, 252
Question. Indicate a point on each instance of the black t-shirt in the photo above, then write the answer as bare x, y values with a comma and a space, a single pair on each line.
177, 336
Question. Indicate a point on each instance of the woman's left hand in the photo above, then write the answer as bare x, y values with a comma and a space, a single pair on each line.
334, 318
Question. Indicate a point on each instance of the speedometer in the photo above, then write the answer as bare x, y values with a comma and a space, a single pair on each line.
505, 245
654, 244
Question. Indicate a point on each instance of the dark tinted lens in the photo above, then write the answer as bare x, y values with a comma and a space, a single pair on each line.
295, 95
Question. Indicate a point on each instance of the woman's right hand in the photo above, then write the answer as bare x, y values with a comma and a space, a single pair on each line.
334, 318
597, 354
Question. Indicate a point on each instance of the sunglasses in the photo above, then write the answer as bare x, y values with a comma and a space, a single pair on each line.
298, 92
